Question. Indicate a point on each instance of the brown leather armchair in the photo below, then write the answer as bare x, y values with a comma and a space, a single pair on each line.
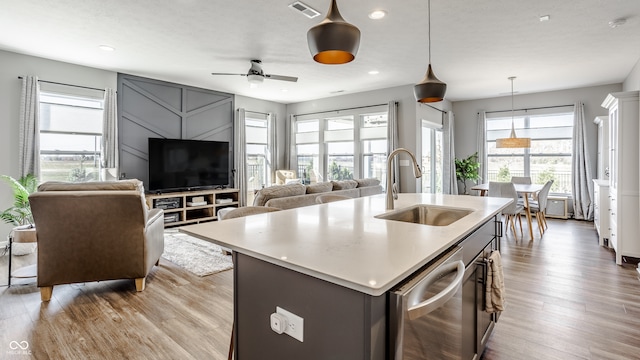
95, 231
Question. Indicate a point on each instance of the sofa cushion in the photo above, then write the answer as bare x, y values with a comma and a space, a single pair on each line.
278, 191
130, 184
344, 184
319, 188
367, 182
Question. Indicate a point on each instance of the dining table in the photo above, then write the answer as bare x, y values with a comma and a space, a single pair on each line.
525, 190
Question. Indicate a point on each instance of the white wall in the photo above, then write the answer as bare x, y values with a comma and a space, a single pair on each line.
466, 113
409, 114
632, 82
14, 65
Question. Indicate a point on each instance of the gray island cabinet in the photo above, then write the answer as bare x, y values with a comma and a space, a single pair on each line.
336, 266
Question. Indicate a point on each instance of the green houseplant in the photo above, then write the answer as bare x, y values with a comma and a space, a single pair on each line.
20, 215
20, 212
467, 169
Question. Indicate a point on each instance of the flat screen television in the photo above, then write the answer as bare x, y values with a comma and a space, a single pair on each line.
178, 165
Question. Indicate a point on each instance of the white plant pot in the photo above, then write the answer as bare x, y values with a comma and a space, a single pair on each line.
24, 241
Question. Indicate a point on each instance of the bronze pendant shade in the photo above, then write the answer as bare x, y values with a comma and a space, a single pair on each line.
333, 41
430, 89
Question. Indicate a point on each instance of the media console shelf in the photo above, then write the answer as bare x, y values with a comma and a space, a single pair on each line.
182, 208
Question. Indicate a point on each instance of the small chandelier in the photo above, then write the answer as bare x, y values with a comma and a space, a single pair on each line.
513, 141
334, 41
430, 89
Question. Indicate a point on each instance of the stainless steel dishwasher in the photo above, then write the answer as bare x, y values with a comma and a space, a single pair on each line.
425, 312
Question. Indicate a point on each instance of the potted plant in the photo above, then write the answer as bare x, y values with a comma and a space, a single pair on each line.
467, 169
20, 213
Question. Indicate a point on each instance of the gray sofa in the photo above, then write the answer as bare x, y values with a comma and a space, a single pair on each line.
297, 195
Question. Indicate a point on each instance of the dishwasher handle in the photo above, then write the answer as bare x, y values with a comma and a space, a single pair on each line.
425, 307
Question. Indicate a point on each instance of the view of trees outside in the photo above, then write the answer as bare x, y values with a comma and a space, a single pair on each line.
256, 175
70, 136
549, 157
375, 160
258, 168
342, 146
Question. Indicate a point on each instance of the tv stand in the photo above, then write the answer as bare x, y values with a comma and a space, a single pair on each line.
181, 208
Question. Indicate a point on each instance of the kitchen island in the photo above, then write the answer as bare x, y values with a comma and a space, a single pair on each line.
333, 265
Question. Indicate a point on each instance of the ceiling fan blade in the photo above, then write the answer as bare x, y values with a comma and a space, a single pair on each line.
281, 77
228, 74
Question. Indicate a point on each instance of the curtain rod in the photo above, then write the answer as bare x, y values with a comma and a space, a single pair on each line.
330, 111
58, 83
256, 112
434, 108
525, 109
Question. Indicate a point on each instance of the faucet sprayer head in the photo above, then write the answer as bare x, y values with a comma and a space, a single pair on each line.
416, 170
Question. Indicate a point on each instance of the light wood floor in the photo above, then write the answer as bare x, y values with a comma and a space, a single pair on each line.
566, 300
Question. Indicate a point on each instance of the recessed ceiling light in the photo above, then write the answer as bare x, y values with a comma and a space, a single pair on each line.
284, 90
617, 22
106, 48
374, 72
377, 14
545, 18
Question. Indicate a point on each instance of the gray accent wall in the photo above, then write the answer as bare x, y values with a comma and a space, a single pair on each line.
149, 108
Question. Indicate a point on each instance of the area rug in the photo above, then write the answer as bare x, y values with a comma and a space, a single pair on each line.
197, 256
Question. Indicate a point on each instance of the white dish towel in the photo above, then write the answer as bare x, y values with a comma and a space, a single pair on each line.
494, 287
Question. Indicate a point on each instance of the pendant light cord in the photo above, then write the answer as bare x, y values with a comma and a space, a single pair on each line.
429, 31
513, 129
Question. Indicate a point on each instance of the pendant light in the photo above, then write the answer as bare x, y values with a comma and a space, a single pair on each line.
333, 41
513, 141
430, 89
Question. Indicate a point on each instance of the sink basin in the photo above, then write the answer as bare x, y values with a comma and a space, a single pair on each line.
427, 215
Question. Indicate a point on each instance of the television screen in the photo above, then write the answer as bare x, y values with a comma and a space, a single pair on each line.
176, 164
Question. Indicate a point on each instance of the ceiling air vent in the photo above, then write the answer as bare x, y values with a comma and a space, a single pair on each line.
305, 9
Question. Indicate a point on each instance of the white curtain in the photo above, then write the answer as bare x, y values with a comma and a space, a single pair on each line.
29, 140
272, 153
392, 140
290, 143
239, 153
110, 130
581, 185
481, 143
449, 182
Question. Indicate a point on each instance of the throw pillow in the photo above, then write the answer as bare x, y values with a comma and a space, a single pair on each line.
344, 184
319, 188
278, 191
367, 182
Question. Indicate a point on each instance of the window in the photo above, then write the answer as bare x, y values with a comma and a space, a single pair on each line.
345, 145
258, 150
70, 137
549, 157
431, 158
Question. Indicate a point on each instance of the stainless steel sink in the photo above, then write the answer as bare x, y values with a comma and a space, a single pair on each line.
427, 215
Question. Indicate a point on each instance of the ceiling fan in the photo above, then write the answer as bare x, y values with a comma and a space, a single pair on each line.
256, 75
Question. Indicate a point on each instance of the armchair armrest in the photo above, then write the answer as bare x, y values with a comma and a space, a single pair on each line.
154, 237
154, 215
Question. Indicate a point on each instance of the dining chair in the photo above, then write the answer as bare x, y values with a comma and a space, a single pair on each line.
507, 190
539, 207
521, 179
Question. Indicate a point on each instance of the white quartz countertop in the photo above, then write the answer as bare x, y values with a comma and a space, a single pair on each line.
343, 243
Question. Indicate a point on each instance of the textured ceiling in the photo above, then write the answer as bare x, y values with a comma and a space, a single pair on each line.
476, 45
